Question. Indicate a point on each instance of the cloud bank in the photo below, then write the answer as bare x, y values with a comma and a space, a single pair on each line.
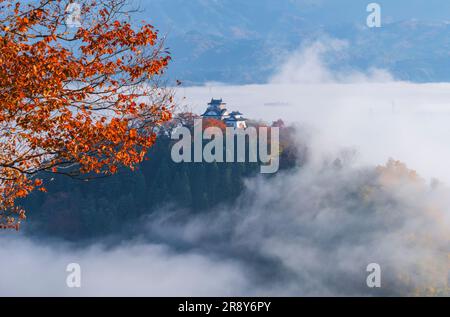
31, 268
306, 233
310, 232
313, 232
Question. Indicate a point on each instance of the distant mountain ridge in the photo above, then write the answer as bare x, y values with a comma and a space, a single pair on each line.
238, 42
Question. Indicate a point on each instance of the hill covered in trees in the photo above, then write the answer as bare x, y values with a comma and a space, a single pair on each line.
75, 209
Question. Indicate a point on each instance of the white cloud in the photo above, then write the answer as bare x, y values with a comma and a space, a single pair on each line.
36, 268
308, 66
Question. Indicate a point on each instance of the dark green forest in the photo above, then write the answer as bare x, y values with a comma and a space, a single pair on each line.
78, 209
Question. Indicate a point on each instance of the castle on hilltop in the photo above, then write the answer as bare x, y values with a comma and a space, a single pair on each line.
216, 110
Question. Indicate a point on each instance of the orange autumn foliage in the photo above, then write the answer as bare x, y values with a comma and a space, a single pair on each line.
213, 123
74, 101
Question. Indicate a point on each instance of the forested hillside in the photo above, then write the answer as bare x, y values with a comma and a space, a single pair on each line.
77, 209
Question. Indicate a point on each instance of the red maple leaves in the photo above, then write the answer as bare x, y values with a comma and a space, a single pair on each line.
74, 102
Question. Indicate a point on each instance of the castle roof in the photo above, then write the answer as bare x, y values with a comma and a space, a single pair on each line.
233, 117
217, 110
217, 102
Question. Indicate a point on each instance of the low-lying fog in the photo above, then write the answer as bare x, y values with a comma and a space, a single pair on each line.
309, 232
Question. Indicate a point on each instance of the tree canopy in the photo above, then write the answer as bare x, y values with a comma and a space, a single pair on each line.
75, 100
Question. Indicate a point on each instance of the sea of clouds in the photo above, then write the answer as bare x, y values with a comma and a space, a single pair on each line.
312, 231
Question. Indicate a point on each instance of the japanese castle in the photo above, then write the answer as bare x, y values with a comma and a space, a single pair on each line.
216, 110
